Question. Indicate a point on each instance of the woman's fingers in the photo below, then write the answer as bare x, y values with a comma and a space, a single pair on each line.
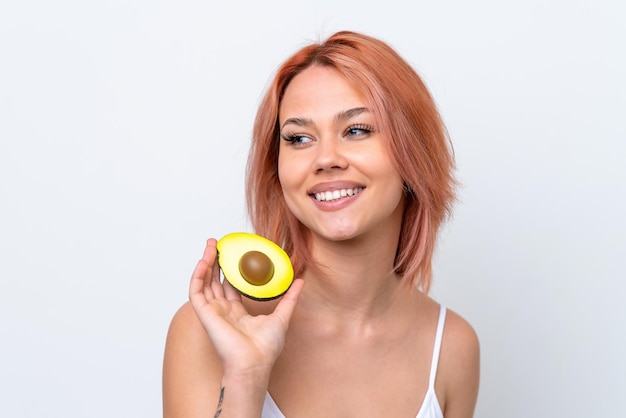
198, 292
212, 284
215, 284
206, 289
230, 292
202, 287
288, 302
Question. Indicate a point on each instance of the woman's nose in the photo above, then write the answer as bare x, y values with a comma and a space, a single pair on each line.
329, 156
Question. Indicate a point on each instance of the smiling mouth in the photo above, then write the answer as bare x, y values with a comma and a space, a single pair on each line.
336, 194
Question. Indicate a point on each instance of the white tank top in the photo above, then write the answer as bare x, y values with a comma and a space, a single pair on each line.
430, 407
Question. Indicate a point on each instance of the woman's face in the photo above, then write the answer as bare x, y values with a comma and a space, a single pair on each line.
335, 170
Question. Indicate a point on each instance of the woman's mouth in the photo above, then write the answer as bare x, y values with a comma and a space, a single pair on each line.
336, 194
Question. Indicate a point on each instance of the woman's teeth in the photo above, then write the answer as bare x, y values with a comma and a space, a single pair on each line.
336, 194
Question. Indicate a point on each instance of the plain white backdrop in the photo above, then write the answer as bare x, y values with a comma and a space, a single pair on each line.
124, 128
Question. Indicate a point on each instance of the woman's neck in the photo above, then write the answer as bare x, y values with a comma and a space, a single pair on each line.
354, 283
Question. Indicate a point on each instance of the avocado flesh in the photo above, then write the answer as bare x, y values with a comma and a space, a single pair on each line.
232, 247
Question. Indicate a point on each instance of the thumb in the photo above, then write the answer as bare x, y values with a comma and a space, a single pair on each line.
288, 302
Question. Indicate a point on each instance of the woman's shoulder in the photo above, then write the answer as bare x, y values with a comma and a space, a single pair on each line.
191, 367
186, 330
459, 334
459, 366
187, 335
184, 318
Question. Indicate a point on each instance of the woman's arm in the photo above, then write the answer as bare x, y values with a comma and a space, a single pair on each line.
217, 356
192, 371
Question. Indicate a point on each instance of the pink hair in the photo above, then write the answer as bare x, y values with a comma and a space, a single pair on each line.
418, 142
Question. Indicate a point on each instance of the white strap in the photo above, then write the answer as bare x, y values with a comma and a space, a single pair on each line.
437, 348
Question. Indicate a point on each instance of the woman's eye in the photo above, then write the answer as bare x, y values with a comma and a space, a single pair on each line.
358, 130
295, 139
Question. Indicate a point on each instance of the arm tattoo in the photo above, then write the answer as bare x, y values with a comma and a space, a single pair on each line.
219, 403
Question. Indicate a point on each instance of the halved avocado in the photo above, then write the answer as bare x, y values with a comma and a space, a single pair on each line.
254, 265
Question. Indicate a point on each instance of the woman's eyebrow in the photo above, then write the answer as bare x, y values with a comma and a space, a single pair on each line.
298, 122
339, 117
350, 113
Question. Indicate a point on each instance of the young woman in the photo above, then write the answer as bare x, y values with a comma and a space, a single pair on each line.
351, 172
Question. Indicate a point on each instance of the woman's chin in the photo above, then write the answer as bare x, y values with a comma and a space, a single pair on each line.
337, 235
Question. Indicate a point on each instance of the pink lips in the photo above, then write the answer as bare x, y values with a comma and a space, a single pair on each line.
333, 185
335, 195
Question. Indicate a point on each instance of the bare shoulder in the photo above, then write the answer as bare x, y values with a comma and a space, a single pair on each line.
460, 341
191, 368
459, 367
187, 334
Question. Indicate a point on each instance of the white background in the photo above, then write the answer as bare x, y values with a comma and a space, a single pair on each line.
124, 128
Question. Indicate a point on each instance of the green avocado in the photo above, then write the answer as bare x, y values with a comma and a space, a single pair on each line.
255, 266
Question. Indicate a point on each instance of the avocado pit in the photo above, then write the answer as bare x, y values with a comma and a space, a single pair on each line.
256, 268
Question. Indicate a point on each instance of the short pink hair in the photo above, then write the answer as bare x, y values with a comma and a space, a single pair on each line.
405, 113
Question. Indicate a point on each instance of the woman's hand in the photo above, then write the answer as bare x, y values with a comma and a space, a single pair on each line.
247, 345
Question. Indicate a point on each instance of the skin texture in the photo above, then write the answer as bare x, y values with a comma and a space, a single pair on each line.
349, 339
